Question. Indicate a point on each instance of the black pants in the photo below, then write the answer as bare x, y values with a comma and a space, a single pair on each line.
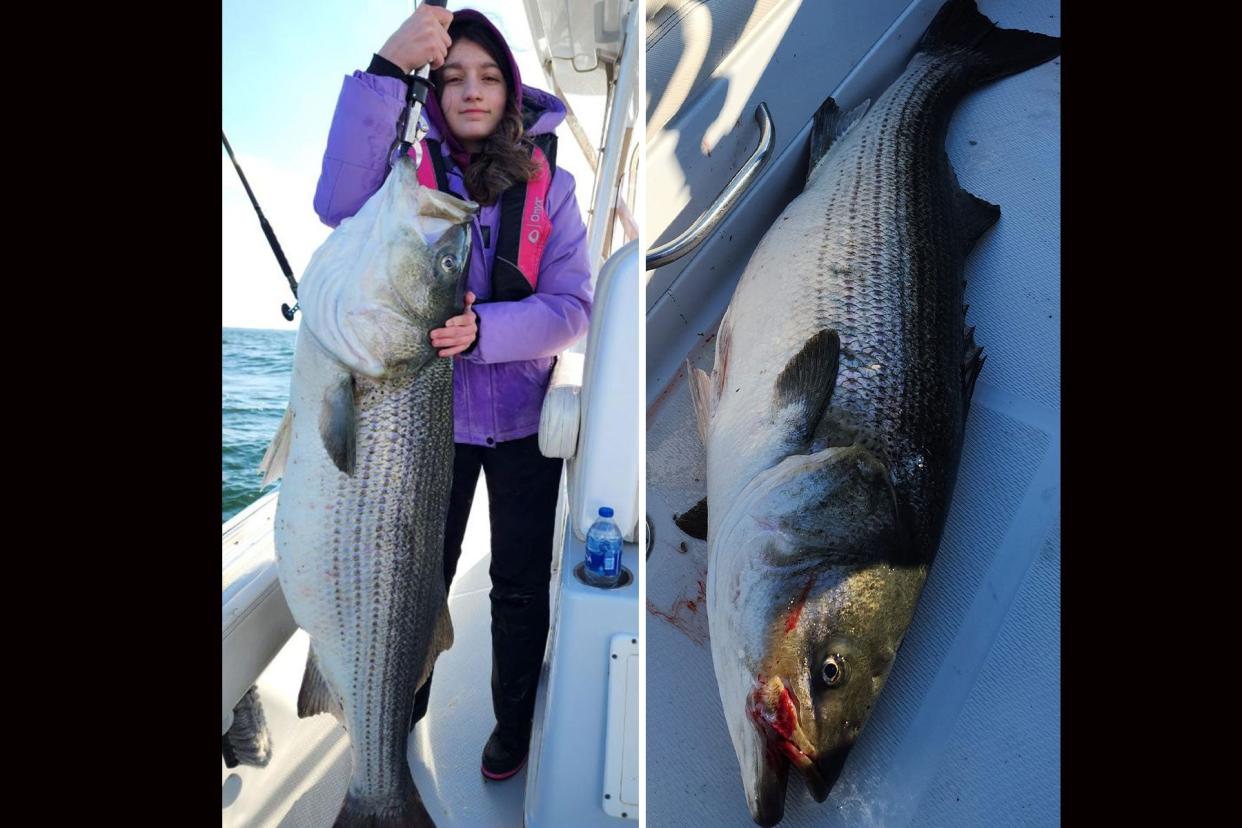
522, 487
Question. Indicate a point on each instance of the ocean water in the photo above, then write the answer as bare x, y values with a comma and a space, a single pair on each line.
256, 366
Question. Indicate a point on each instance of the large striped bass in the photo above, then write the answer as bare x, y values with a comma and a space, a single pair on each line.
833, 418
366, 451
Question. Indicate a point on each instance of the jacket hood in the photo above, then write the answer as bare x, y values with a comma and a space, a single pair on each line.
541, 111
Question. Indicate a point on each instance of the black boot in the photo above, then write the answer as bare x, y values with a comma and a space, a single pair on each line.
505, 752
522, 487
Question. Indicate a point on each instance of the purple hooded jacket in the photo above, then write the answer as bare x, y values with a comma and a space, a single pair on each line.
498, 387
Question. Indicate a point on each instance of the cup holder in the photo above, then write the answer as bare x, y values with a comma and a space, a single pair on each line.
623, 581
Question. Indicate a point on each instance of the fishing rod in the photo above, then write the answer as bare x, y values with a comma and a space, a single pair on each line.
411, 131
410, 126
285, 310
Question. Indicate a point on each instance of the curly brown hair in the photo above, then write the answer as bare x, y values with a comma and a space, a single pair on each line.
504, 157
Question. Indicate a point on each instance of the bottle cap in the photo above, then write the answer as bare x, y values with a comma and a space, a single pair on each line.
605, 511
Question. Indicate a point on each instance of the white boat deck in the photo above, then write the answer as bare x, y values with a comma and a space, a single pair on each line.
967, 730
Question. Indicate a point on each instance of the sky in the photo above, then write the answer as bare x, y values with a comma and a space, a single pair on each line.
283, 66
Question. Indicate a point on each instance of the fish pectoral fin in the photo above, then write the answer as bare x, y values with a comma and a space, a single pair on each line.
316, 695
272, 466
809, 377
829, 126
702, 397
974, 217
338, 424
693, 521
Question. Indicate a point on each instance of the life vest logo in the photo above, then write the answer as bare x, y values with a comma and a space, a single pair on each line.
536, 217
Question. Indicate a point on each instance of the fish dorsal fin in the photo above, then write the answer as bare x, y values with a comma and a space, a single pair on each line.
316, 695
829, 126
809, 377
974, 217
338, 424
272, 467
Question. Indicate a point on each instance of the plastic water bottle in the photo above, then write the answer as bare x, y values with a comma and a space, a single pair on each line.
603, 551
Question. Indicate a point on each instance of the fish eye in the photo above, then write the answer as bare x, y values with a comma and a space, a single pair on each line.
834, 670
448, 263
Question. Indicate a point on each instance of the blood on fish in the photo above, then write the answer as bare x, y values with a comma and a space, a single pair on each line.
796, 756
786, 715
777, 724
796, 612
756, 711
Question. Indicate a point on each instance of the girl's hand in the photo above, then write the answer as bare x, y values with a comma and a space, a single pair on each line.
459, 331
421, 39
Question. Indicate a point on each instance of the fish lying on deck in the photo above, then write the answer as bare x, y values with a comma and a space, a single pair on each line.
366, 452
833, 418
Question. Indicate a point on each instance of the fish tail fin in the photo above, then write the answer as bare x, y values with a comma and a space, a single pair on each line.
272, 466
407, 811
248, 741
959, 25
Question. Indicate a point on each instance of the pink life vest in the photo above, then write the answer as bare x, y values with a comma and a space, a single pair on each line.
524, 222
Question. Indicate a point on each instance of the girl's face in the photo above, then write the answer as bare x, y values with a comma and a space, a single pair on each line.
472, 93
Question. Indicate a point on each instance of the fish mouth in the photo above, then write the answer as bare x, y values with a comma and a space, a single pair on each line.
775, 713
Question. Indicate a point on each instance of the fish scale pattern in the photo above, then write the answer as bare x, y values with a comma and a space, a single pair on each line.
373, 625
891, 262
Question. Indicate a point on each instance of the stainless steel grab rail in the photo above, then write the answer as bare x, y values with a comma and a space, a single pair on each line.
697, 232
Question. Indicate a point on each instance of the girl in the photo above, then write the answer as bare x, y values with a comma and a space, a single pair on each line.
529, 297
